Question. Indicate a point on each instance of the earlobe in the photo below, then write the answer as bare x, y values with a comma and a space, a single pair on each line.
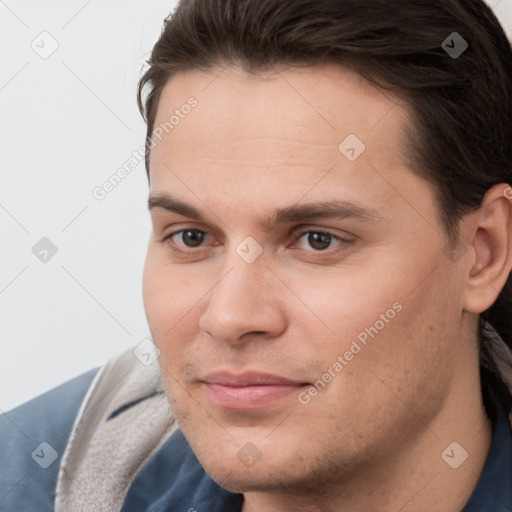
490, 232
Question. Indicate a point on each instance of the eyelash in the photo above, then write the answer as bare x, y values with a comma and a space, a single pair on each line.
297, 236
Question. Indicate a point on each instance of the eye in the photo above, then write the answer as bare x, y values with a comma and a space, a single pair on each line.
315, 240
319, 240
189, 237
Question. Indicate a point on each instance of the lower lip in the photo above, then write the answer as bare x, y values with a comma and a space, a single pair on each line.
248, 397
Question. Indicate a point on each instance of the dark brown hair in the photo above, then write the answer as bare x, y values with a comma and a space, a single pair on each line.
461, 138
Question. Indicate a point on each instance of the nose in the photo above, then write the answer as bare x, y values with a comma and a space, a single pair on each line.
245, 303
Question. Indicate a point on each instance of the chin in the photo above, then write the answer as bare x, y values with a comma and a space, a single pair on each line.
241, 480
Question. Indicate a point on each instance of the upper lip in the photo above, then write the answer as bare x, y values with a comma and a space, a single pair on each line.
249, 378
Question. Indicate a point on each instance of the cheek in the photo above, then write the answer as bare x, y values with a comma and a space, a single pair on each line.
172, 305
409, 363
152, 286
386, 329
348, 306
169, 297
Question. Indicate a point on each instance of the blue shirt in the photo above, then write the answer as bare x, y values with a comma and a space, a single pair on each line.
493, 491
174, 480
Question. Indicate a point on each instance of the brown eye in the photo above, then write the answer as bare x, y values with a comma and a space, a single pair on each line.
317, 240
189, 237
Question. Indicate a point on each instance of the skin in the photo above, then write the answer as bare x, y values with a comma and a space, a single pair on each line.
372, 438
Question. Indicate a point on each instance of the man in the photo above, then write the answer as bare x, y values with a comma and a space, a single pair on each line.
327, 282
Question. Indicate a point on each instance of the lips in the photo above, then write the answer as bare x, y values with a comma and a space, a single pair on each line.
249, 390
249, 379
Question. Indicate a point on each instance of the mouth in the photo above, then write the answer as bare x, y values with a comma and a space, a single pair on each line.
250, 390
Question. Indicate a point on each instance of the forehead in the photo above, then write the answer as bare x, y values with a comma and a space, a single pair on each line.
280, 134
286, 109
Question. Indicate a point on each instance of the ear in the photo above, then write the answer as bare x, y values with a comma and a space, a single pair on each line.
489, 233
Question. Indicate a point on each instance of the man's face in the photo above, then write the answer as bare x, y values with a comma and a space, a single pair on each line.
296, 348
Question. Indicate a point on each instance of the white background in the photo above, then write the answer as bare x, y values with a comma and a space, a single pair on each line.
68, 123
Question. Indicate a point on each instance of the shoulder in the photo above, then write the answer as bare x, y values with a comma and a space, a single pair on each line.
86, 440
123, 420
33, 437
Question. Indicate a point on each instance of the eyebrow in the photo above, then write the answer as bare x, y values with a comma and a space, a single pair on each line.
333, 209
